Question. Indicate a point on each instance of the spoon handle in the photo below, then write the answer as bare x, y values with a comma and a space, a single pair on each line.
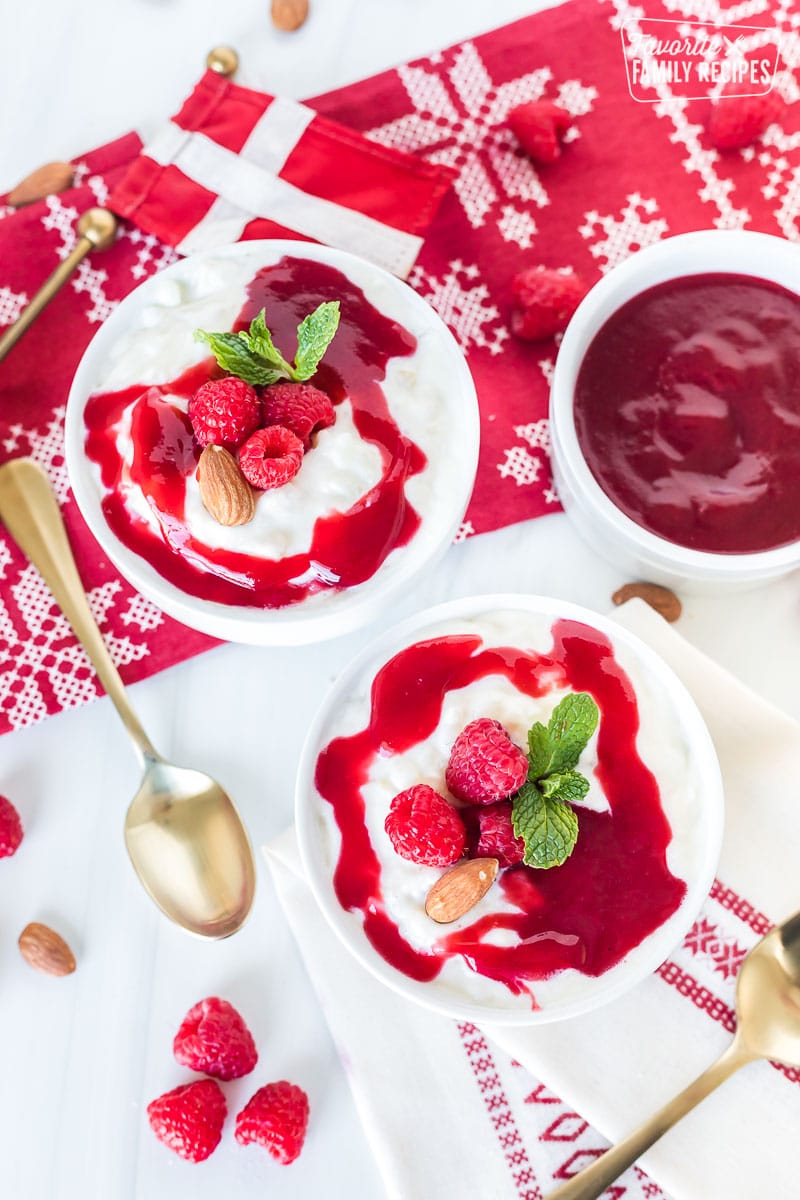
592, 1182
30, 513
96, 227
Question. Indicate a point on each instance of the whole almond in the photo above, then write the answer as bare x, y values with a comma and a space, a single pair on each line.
52, 177
460, 889
289, 14
665, 602
225, 492
46, 950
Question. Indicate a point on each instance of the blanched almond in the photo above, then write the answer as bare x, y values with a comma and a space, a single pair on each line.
665, 602
52, 177
225, 492
460, 889
46, 950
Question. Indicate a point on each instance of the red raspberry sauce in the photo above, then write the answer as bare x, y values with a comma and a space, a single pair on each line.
610, 894
687, 410
346, 548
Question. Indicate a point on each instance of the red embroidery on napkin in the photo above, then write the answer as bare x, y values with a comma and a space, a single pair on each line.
499, 1110
740, 908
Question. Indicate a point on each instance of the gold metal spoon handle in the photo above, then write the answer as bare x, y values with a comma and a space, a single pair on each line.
97, 228
593, 1181
30, 513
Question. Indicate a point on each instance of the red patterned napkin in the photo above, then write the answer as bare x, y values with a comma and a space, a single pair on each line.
632, 173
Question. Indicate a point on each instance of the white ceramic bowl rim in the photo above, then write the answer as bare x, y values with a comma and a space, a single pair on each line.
735, 252
345, 923
290, 625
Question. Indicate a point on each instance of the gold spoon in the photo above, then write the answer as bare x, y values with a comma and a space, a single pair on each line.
768, 1026
184, 836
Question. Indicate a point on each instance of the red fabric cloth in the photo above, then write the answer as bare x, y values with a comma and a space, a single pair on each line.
631, 173
329, 161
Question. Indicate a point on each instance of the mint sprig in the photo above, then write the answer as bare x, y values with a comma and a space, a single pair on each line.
541, 812
253, 356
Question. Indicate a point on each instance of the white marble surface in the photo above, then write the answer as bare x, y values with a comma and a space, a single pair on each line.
82, 1056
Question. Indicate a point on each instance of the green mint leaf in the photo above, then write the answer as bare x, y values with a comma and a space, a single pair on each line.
538, 751
546, 824
572, 723
570, 786
259, 340
314, 335
233, 355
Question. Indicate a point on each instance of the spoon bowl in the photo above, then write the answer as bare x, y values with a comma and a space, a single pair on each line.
188, 847
184, 836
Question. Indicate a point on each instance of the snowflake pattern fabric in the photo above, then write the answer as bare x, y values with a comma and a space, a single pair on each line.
601, 201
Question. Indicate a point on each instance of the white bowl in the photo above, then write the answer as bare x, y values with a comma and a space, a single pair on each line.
450, 441
614, 534
672, 741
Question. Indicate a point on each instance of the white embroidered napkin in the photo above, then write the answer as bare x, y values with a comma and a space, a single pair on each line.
447, 1115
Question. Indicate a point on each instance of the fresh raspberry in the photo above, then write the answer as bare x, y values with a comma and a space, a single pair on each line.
10, 828
214, 1039
545, 300
276, 1117
424, 828
537, 126
484, 763
496, 837
271, 457
189, 1119
298, 406
224, 412
738, 121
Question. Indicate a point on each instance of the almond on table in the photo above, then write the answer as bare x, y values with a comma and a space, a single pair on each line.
45, 950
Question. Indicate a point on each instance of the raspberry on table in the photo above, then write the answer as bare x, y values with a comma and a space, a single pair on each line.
10, 828
738, 121
424, 828
298, 406
537, 127
214, 1039
496, 837
276, 1117
189, 1119
484, 764
544, 302
224, 412
271, 457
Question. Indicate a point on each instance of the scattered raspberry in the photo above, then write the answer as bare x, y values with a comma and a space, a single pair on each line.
271, 457
214, 1039
484, 763
496, 837
738, 121
224, 412
537, 126
189, 1119
10, 828
545, 300
424, 828
276, 1117
298, 406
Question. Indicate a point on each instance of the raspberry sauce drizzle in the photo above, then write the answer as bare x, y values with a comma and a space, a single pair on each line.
611, 893
346, 548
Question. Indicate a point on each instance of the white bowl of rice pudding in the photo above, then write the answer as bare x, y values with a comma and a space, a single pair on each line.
379, 495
